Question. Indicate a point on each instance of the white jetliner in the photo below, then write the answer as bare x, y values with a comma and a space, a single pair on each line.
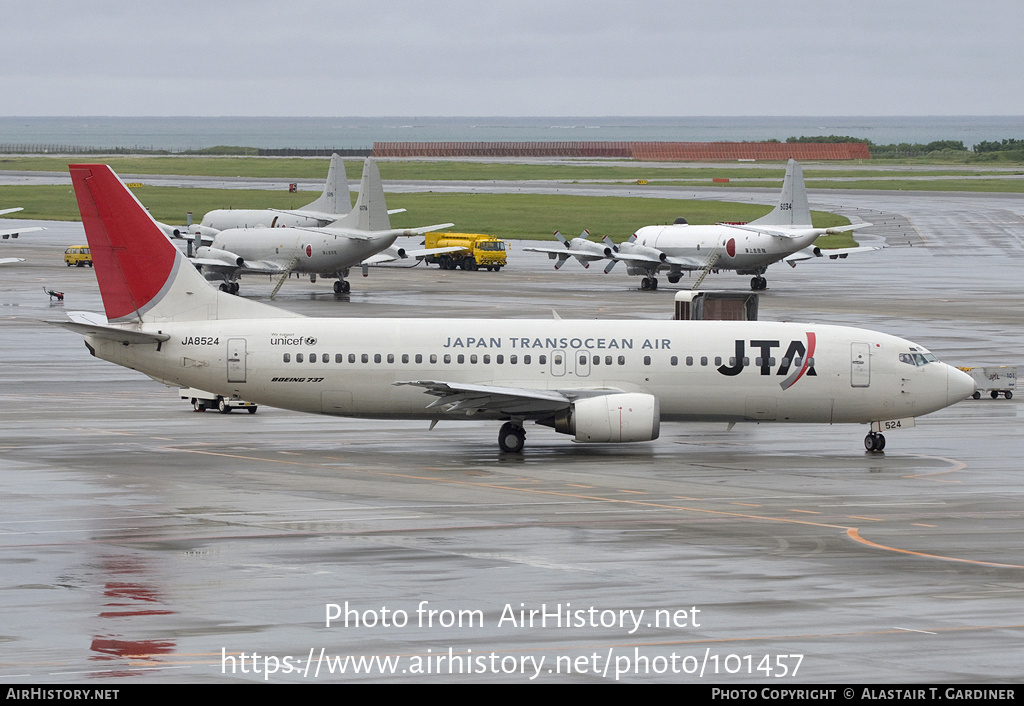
600, 381
785, 234
359, 238
15, 232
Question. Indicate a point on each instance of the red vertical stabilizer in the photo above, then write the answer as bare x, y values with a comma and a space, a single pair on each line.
132, 257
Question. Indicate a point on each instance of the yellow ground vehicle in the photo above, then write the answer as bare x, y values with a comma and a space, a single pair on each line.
78, 255
481, 251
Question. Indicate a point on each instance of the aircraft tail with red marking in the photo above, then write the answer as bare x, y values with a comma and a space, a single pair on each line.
142, 276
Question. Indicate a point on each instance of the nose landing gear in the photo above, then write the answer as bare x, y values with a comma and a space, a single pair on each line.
874, 442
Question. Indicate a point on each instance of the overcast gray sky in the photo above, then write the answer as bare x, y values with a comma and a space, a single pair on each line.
529, 57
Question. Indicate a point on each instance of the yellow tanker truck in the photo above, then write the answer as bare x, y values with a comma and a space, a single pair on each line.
479, 251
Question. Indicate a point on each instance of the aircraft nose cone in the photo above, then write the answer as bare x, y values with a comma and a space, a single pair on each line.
959, 385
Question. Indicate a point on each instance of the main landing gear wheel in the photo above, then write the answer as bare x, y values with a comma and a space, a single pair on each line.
758, 283
874, 442
511, 438
230, 287
650, 283
342, 286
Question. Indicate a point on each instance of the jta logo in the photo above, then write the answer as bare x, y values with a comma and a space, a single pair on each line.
797, 361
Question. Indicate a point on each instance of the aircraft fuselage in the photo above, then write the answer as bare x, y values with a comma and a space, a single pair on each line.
741, 250
223, 219
315, 252
698, 371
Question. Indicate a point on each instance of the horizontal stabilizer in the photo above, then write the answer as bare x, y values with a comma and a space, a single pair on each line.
112, 333
798, 232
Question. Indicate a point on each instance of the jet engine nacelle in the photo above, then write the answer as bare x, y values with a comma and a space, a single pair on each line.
627, 416
226, 256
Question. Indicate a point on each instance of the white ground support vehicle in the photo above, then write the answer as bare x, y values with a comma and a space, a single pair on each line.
994, 379
202, 401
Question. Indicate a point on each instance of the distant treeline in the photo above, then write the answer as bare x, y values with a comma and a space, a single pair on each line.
1005, 149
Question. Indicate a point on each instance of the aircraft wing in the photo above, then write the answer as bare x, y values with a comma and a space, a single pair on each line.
261, 267
9, 260
683, 263
811, 252
15, 232
797, 232
492, 400
564, 254
567, 252
556, 251
498, 401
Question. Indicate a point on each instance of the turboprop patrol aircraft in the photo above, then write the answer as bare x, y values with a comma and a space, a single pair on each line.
358, 238
599, 381
333, 203
785, 234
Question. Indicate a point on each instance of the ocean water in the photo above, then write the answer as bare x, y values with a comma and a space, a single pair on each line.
187, 133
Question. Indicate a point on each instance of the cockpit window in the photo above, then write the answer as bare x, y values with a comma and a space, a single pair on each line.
917, 359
